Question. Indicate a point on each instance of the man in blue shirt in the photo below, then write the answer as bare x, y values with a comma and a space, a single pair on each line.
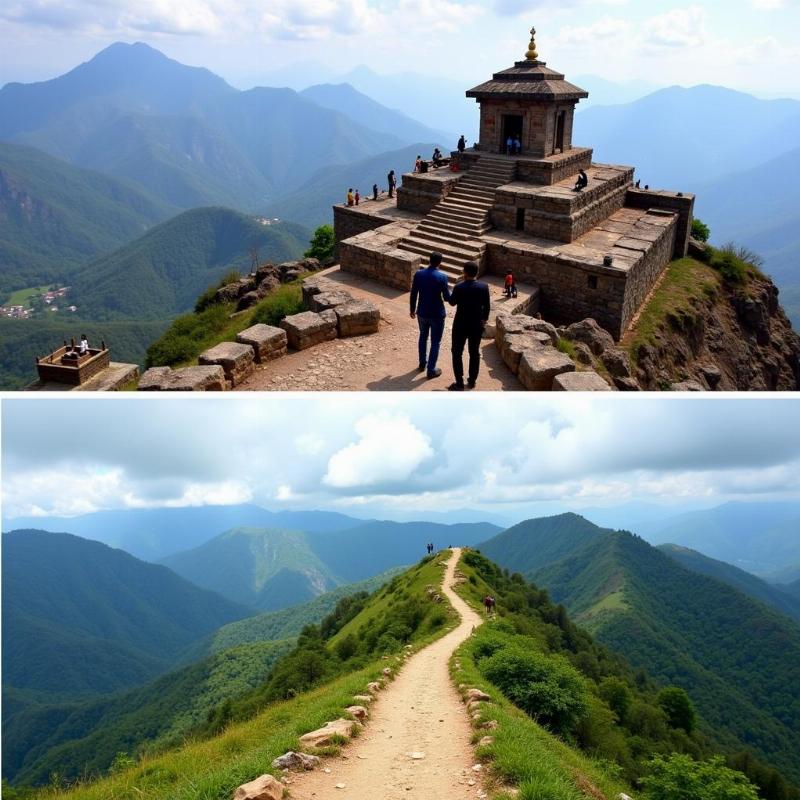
429, 293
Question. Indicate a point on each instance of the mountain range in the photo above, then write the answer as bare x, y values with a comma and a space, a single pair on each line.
735, 656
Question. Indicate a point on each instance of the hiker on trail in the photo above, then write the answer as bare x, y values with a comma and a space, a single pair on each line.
392, 184
472, 302
462, 144
510, 289
358, 197
429, 292
488, 604
351, 199
374, 191
583, 181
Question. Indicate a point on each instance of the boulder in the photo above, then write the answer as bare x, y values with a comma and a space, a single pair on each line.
324, 736
477, 694
189, 379
688, 386
314, 286
374, 687
539, 368
591, 334
588, 381
359, 712
267, 272
617, 362
248, 301
387, 671
712, 374
309, 329
357, 318
490, 725
264, 788
236, 359
513, 345
627, 384
583, 355
329, 299
296, 761
520, 323
363, 698
485, 741
268, 343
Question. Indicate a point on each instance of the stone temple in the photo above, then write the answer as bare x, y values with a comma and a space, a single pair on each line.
593, 253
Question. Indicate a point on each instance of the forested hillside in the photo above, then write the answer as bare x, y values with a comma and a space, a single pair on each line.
736, 657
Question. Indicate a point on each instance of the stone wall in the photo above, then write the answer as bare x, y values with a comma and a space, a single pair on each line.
349, 222
421, 193
682, 204
538, 125
643, 276
540, 171
375, 256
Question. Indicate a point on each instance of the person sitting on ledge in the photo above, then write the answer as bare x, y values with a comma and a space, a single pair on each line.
437, 158
351, 199
418, 164
583, 181
83, 347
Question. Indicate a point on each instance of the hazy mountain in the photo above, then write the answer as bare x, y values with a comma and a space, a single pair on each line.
785, 575
161, 274
152, 534
757, 537
310, 204
603, 92
266, 568
344, 98
684, 138
794, 589
54, 217
775, 596
81, 618
180, 131
373, 547
735, 656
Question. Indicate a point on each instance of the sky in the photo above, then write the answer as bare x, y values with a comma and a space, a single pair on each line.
507, 454
744, 44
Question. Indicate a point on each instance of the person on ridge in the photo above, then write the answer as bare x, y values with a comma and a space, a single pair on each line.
374, 191
473, 304
392, 183
351, 199
418, 164
462, 144
583, 181
358, 197
437, 158
429, 292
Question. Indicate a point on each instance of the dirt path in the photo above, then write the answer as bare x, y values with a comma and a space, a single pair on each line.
420, 712
386, 361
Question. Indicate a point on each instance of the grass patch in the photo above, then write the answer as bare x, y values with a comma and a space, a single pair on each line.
686, 283
191, 334
22, 297
567, 347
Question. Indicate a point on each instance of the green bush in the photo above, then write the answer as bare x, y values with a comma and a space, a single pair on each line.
180, 342
678, 707
545, 687
209, 296
700, 230
283, 302
680, 778
322, 245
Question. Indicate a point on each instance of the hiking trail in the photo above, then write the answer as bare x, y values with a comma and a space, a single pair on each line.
419, 712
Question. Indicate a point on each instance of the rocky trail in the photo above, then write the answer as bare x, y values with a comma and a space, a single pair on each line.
416, 744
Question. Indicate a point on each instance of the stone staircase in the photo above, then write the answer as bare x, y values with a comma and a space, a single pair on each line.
454, 227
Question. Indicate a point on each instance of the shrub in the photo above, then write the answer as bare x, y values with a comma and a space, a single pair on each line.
322, 245
616, 693
209, 296
700, 230
680, 778
545, 687
283, 302
180, 342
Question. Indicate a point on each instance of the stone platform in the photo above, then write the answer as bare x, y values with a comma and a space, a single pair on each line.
114, 377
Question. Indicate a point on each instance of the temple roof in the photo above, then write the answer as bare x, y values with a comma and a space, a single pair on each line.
528, 80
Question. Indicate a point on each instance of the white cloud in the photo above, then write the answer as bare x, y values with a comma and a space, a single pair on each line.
680, 28
389, 448
768, 5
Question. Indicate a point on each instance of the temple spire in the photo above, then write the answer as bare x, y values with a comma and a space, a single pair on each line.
532, 55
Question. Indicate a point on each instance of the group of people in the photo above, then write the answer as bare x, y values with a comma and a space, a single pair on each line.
354, 197
513, 145
429, 293
429, 548
437, 159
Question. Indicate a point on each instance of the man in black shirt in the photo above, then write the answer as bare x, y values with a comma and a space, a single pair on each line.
472, 302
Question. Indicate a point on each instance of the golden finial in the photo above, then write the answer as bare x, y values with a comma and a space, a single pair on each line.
532, 55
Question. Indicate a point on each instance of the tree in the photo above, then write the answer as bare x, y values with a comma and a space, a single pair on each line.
616, 693
678, 708
680, 778
322, 245
700, 230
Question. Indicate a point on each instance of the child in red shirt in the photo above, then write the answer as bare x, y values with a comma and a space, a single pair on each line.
511, 285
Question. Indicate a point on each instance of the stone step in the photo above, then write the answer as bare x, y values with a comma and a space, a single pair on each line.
469, 231
476, 188
454, 254
443, 228
457, 211
457, 219
445, 237
478, 203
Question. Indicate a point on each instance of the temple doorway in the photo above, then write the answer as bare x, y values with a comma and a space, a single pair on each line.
561, 118
512, 127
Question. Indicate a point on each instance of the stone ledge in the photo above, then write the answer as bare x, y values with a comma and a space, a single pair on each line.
237, 360
268, 343
309, 328
189, 379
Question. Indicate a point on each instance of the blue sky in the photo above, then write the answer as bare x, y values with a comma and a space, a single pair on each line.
745, 44
505, 453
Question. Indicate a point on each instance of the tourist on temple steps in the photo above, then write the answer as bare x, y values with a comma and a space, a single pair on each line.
429, 292
351, 199
583, 181
472, 302
517, 145
510, 145
392, 184
462, 144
